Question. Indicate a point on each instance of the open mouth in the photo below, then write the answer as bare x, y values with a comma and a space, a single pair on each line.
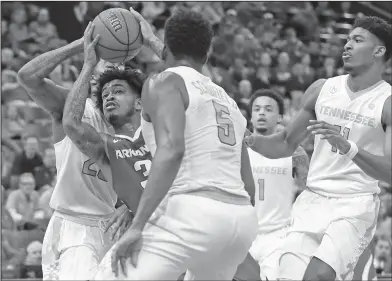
261, 121
346, 55
110, 105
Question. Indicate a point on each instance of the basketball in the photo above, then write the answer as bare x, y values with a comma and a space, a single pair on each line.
120, 35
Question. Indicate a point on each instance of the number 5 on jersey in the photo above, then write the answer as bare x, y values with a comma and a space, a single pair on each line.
226, 132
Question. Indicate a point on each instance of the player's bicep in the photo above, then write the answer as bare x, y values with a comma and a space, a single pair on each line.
387, 121
49, 96
296, 131
388, 142
167, 112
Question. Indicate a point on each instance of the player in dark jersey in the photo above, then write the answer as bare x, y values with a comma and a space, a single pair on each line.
123, 158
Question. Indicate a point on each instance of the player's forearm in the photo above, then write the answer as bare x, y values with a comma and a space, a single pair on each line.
377, 167
273, 147
157, 46
76, 100
164, 169
40, 67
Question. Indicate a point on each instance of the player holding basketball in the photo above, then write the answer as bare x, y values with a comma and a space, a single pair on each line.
195, 132
124, 158
83, 200
350, 115
276, 182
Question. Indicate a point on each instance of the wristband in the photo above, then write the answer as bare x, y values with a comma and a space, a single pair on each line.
353, 150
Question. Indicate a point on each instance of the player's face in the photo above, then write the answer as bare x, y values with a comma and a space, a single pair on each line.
265, 115
360, 49
119, 102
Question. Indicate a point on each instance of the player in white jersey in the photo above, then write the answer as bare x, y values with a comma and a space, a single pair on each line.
276, 182
195, 132
335, 218
83, 200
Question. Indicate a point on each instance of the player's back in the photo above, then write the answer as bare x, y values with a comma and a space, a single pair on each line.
81, 187
130, 162
214, 131
275, 187
359, 120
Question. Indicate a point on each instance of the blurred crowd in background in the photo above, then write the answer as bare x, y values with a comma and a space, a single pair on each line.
280, 45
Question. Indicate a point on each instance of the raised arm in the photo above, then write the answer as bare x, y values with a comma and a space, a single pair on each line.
82, 134
32, 76
284, 143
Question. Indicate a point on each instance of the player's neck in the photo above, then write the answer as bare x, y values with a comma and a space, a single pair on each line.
128, 127
266, 133
362, 81
188, 62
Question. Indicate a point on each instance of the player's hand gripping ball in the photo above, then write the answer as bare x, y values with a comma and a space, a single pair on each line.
120, 35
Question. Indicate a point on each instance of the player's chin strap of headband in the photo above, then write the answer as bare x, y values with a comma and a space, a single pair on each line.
353, 150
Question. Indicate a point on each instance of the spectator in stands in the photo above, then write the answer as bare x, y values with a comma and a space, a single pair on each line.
27, 160
23, 203
42, 29
18, 30
283, 75
382, 255
31, 268
45, 174
328, 70
14, 123
245, 90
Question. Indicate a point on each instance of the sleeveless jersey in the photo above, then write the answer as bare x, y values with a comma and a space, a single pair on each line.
214, 131
130, 162
359, 120
275, 188
81, 187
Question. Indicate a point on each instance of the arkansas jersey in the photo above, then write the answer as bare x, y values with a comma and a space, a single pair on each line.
130, 162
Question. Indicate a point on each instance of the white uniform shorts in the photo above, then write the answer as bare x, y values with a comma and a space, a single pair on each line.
208, 237
267, 250
73, 247
335, 230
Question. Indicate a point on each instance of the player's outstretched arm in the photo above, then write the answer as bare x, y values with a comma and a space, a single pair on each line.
82, 134
247, 175
149, 38
301, 167
377, 167
32, 76
284, 143
163, 100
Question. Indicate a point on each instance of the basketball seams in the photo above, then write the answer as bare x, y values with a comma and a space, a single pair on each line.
108, 28
126, 25
111, 49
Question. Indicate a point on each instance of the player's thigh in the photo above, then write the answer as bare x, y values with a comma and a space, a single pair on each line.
297, 250
343, 244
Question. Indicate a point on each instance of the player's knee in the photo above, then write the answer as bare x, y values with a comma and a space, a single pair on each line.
318, 270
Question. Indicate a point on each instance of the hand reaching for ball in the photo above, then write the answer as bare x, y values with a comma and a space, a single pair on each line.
90, 56
145, 27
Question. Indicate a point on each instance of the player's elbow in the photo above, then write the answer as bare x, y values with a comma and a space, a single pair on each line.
26, 78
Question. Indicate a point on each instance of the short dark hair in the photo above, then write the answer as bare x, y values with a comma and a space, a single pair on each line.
188, 34
378, 27
134, 78
268, 93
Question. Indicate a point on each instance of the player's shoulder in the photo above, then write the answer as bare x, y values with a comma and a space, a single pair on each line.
164, 80
387, 112
312, 93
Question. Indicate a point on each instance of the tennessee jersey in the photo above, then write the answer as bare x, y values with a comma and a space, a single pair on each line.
275, 188
81, 187
130, 162
214, 131
359, 120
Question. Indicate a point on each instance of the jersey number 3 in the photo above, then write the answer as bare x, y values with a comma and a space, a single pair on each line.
144, 165
226, 132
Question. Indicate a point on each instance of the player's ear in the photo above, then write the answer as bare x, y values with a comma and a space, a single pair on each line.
280, 118
138, 104
380, 51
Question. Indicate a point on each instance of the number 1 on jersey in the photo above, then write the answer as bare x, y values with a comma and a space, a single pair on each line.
346, 133
261, 189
